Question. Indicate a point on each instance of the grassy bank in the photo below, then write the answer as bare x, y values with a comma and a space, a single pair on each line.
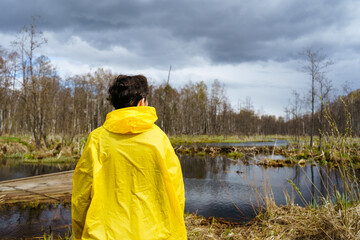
193, 139
284, 222
58, 151
334, 217
332, 151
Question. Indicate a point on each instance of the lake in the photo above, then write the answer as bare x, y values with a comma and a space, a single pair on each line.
214, 186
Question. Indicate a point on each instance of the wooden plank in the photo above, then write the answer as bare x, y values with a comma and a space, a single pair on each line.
47, 188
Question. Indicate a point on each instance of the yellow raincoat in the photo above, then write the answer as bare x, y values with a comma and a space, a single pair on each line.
128, 182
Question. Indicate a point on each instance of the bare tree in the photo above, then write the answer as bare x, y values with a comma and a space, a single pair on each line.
295, 111
201, 109
27, 42
43, 88
77, 105
8, 92
315, 64
325, 87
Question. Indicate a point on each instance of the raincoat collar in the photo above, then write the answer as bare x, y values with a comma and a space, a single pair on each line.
130, 120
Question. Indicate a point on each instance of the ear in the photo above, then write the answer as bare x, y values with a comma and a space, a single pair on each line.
141, 103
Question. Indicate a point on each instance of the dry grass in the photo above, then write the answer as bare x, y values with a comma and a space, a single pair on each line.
192, 139
286, 222
2, 198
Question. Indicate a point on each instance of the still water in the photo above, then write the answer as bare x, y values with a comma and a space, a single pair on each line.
216, 186
270, 143
14, 168
226, 188
18, 223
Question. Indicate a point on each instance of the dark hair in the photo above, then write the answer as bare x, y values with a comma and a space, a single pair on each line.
127, 91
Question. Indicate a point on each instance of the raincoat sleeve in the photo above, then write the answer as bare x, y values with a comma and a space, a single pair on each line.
82, 185
174, 169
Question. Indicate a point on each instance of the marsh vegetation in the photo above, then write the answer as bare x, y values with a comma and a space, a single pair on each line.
44, 121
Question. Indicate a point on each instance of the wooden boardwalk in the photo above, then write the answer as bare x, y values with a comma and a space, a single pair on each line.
48, 188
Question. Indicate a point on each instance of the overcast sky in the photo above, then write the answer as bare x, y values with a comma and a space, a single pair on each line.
250, 46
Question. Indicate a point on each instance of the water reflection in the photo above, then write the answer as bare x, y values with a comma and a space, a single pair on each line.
226, 188
217, 186
16, 168
18, 223
270, 143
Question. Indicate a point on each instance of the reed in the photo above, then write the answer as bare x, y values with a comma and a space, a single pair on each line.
334, 216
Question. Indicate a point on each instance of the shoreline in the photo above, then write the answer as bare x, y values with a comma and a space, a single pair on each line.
275, 222
293, 153
336, 217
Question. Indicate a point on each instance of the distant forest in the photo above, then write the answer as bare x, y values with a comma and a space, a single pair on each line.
35, 100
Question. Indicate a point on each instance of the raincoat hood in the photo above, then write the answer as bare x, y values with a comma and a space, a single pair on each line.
130, 120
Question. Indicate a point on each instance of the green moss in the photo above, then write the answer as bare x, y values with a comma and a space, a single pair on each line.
62, 159
323, 161
236, 155
355, 158
15, 155
29, 156
8, 139
192, 139
31, 205
201, 153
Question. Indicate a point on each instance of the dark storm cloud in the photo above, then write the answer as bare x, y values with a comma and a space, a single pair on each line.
222, 31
